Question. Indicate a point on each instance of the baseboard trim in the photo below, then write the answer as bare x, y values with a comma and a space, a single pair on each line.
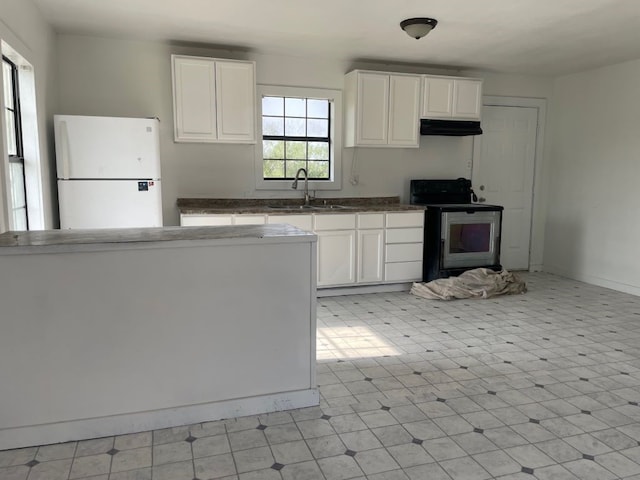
32, 435
363, 289
595, 280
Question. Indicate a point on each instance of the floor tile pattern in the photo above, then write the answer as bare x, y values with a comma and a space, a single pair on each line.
544, 385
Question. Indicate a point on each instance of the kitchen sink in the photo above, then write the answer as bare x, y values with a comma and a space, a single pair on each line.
309, 207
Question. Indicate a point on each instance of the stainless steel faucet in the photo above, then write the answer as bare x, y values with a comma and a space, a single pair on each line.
294, 185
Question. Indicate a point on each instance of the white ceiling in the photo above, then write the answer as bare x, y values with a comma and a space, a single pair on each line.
547, 37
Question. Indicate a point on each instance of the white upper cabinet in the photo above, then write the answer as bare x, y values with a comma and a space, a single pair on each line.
451, 98
467, 99
381, 109
214, 100
404, 102
373, 109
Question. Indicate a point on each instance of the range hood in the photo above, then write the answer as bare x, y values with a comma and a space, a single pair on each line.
450, 128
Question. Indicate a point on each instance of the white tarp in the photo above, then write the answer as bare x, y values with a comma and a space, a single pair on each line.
476, 283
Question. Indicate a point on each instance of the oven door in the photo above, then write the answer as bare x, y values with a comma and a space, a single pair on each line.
470, 239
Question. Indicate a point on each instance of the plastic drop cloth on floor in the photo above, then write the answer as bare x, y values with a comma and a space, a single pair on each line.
476, 283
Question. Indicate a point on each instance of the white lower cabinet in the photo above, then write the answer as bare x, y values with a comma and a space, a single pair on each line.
205, 220
208, 220
404, 246
303, 222
336, 249
353, 248
336, 258
370, 256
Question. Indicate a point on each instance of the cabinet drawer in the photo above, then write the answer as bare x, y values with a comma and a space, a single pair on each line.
205, 220
405, 219
249, 220
335, 222
301, 221
371, 220
403, 252
404, 235
403, 271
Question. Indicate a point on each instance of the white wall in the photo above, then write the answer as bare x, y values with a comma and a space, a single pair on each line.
593, 224
102, 76
23, 28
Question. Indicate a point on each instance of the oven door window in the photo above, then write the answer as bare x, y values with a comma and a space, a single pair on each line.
470, 237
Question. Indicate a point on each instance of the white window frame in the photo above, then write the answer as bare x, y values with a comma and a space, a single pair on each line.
335, 103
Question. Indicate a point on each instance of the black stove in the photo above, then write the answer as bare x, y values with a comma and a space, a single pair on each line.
458, 234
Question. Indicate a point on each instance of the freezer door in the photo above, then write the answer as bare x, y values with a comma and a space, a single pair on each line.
109, 203
106, 147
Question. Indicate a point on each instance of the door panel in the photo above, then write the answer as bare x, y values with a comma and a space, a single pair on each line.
503, 168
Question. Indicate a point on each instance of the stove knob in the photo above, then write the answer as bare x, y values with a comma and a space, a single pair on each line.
482, 199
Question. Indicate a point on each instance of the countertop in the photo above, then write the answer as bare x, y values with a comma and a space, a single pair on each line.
147, 235
229, 206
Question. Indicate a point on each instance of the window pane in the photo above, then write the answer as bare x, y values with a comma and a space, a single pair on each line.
272, 126
273, 106
12, 147
295, 107
8, 84
317, 128
318, 151
294, 127
273, 149
293, 166
296, 150
20, 219
273, 169
16, 178
318, 108
318, 169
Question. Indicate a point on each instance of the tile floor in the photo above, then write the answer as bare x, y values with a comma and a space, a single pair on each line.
544, 385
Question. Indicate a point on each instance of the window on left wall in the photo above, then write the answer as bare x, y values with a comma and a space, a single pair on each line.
13, 122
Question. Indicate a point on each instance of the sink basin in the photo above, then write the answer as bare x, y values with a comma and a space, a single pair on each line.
291, 207
332, 207
309, 207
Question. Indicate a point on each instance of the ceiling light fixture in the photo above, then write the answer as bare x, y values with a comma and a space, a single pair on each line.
418, 27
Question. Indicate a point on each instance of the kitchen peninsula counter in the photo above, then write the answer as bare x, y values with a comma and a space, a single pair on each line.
106, 332
119, 237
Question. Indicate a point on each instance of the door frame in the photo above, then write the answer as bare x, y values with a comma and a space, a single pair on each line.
538, 201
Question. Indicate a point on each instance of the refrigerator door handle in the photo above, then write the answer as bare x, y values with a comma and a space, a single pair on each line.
64, 150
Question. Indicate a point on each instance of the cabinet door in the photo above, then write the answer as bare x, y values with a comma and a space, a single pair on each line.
467, 99
194, 106
249, 220
236, 95
336, 258
303, 222
373, 109
370, 259
205, 220
404, 102
437, 96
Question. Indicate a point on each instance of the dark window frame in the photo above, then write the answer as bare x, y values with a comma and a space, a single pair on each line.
18, 157
307, 139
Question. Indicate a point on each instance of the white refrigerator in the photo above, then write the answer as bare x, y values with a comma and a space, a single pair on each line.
108, 172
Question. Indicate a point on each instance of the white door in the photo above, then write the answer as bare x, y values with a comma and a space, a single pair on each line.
503, 169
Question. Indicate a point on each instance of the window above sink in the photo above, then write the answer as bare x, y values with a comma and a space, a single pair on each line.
300, 128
